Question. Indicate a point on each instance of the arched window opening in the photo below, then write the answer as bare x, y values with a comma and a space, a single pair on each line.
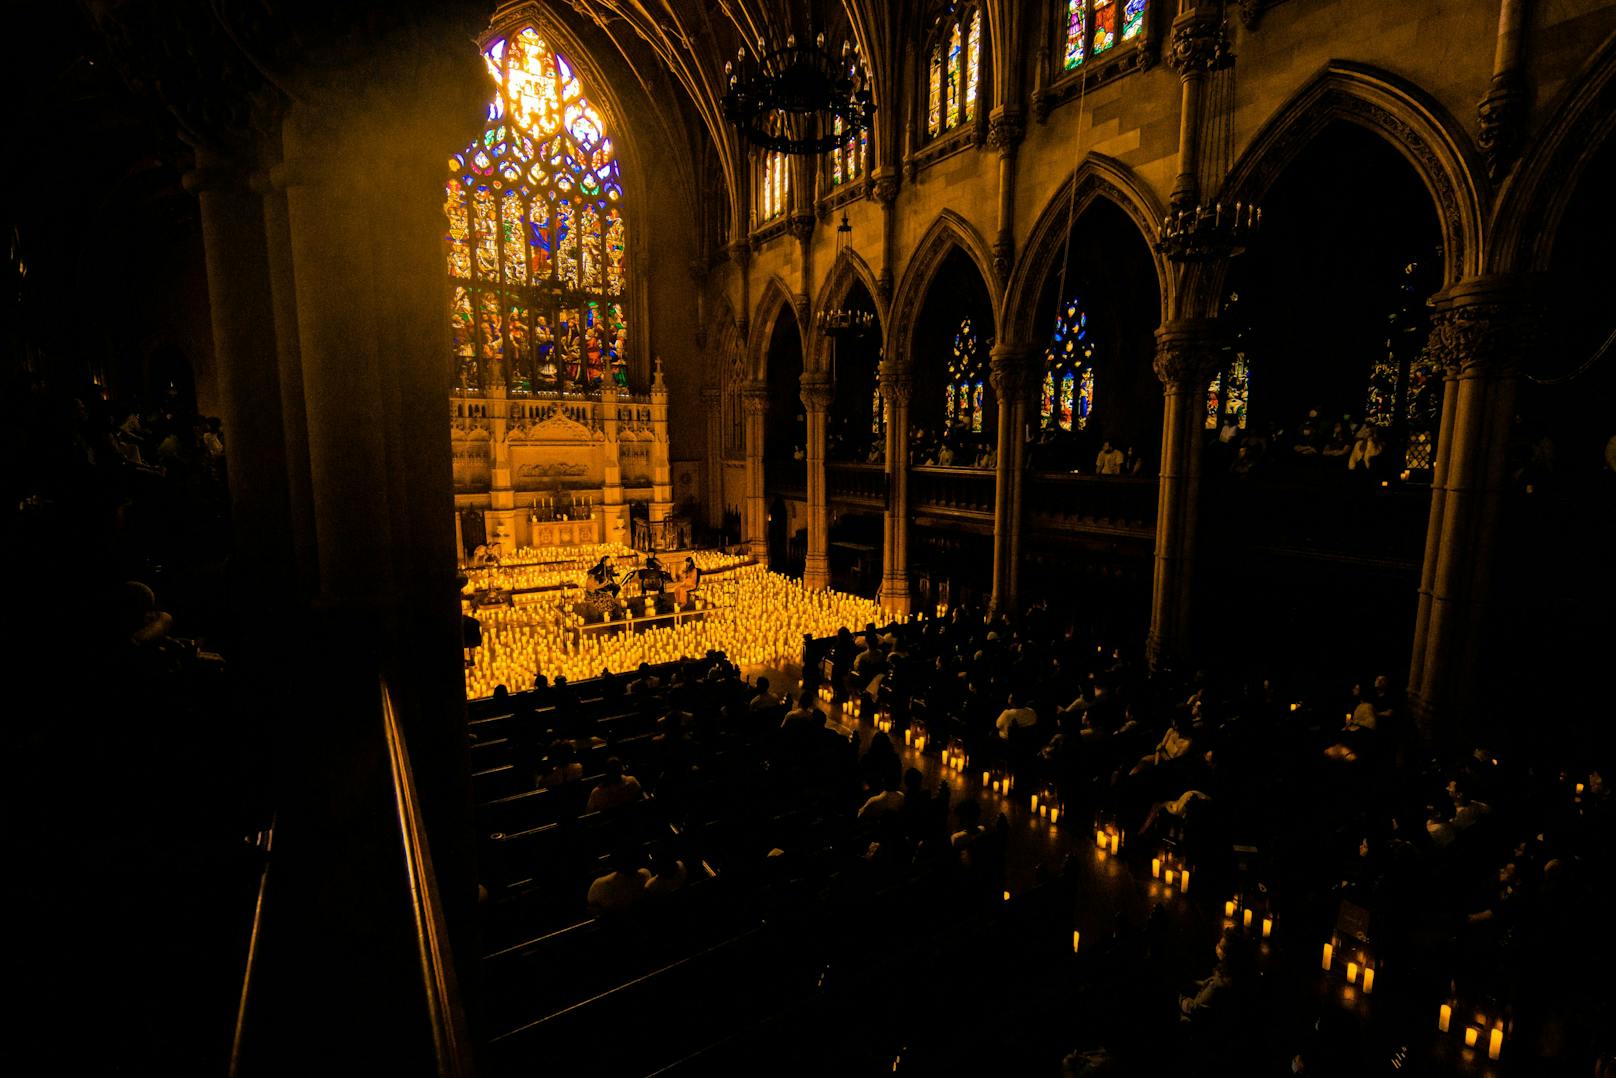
965, 403
954, 75
1095, 27
536, 237
1228, 397
774, 187
1068, 371
850, 159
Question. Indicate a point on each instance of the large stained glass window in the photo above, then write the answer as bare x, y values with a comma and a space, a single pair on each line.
1229, 394
774, 186
536, 245
1068, 372
1092, 28
850, 159
966, 381
954, 75
1404, 394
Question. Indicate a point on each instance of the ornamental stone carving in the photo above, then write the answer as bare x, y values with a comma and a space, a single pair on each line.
1008, 370
1486, 333
1503, 119
817, 393
755, 400
1186, 354
1198, 44
1006, 128
885, 190
896, 385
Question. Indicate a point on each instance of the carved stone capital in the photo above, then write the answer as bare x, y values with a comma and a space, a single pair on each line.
1251, 12
1187, 353
1008, 370
1006, 128
740, 253
897, 384
1004, 255
1502, 113
1485, 327
885, 190
802, 226
1198, 44
817, 391
755, 399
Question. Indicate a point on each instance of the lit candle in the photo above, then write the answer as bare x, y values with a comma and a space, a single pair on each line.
1168, 878
1329, 953
1368, 973
1228, 910
1043, 810
1470, 1036
1054, 813
1352, 973
1035, 802
1116, 842
1444, 1016
1007, 896
984, 778
1267, 926
1495, 1039
1184, 883
1076, 933
1099, 838
1246, 919
1155, 867
1579, 789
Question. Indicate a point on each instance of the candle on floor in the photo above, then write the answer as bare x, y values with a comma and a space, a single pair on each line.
1329, 953
1099, 837
1167, 877
1495, 1042
1267, 926
1007, 896
1155, 867
1116, 842
1444, 1017
1368, 979
1352, 973
1228, 909
1054, 813
1035, 802
1076, 934
1184, 883
1246, 919
1470, 1036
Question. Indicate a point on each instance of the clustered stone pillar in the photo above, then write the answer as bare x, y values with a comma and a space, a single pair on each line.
1187, 353
713, 408
1009, 376
1483, 328
1006, 127
817, 394
661, 468
1194, 49
754, 513
896, 385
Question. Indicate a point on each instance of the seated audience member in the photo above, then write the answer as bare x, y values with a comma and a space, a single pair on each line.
620, 890
1366, 448
1014, 717
1109, 461
764, 700
870, 661
615, 789
889, 799
644, 682
1339, 442
1212, 998
565, 768
802, 718
969, 829
667, 874
1175, 744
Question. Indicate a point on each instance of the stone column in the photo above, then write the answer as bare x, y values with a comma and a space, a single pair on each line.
1502, 111
1194, 50
242, 315
884, 186
661, 470
614, 514
817, 394
1005, 130
1485, 327
754, 513
1009, 376
713, 408
896, 386
1187, 352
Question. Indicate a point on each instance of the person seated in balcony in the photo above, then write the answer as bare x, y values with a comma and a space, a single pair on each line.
1133, 462
1110, 460
1309, 436
1244, 463
1339, 441
945, 455
565, 769
1366, 448
616, 788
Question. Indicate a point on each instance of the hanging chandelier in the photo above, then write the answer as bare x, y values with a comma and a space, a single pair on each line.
840, 323
791, 101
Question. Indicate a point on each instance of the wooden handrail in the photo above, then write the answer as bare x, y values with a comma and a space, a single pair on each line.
252, 954
449, 1039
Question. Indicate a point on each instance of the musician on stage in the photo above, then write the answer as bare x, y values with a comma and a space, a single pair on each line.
689, 577
604, 577
653, 576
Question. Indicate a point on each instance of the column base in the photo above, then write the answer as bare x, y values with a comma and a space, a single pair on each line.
816, 572
895, 597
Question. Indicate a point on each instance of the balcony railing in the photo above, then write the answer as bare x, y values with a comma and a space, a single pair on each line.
1330, 519
863, 485
952, 491
1112, 504
787, 478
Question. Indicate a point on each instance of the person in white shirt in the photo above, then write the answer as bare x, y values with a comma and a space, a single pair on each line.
1013, 716
890, 799
621, 889
1109, 462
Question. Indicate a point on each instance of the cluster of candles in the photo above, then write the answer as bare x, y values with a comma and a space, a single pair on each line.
1108, 839
1047, 805
562, 557
954, 756
1356, 965
1473, 1030
999, 780
1165, 866
755, 617
914, 734
1248, 918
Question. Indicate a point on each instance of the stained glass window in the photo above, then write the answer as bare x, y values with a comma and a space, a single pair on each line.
776, 186
954, 76
847, 160
1046, 399
1228, 395
1404, 394
1214, 397
1069, 364
877, 419
535, 233
1090, 28
965, 383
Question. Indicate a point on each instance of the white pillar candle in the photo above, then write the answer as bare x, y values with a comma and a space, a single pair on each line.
1329, 953
1368, 971
1470, 1036
1495, 1039
1352, 973
1443, 1017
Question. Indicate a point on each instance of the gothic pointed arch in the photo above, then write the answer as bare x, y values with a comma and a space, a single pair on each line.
1408, 118
1533, 201
848, 268
947, 232
1098, 177
775, 297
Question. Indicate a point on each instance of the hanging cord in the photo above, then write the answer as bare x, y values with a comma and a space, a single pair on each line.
1071, 205
1581, 369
